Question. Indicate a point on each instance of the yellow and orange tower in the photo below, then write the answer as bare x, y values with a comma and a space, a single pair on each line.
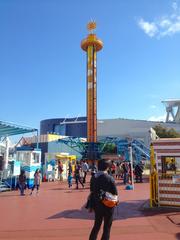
91, 45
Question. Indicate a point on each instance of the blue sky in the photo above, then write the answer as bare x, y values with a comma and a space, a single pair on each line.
43, 69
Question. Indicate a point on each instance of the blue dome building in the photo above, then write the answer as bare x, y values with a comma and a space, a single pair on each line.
76, 127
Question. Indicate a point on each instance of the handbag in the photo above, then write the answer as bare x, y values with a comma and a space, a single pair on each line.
108, 199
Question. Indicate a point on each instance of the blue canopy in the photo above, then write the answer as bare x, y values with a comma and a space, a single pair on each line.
9, 129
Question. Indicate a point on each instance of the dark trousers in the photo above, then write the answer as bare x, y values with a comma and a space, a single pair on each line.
102, 213
37, 187
70, 183
139, 178
22, 187
125, 178
78, 180
84, 178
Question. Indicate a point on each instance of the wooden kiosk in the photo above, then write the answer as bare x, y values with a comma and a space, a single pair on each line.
165, 172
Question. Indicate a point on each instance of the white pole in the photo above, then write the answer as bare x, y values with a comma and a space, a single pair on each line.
131, 162
6, 155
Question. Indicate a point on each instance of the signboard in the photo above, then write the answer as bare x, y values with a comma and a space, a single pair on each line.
49, 168
176, 179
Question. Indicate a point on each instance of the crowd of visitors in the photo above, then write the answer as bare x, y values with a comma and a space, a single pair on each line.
117, 170
123, 170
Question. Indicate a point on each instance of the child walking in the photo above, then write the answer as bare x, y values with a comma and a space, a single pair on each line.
70, 179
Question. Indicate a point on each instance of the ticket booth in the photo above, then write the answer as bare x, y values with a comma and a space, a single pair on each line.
167, 167
30, 160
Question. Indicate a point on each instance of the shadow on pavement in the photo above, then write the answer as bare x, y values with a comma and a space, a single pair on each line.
74, 214
128, 209
168, 211
124, 210
10, 195
70, 189
178, 236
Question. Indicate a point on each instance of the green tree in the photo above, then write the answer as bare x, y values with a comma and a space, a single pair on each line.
164, 132
110, 148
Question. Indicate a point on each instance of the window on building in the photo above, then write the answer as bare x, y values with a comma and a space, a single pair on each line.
35, 158
23, 157
170, 165
60, 129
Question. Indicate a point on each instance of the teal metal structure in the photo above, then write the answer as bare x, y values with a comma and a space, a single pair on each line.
10, 129
139, 150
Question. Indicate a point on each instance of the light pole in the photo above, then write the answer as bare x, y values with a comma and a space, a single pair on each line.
131, 162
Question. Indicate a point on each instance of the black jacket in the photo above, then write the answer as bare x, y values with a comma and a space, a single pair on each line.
22, 178
102, 181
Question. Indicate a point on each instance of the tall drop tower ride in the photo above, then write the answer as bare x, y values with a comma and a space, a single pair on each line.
91, 45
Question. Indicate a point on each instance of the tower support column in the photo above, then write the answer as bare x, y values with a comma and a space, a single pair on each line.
91, 45
91, 95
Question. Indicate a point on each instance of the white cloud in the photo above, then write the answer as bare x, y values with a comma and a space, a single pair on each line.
158, 119
153, 106
165, 23
149, 28
162, 26
173, 28
174, 6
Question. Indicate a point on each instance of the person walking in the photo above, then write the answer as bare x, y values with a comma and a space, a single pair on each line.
93, 169
118, 171
125, 168
102, 181
69, 174
77, 175
60, 170
37, 180
69, 168
85, 169
113, 169
138, 172
22, 182
70, 179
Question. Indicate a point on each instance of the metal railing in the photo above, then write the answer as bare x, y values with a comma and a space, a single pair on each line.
6, 178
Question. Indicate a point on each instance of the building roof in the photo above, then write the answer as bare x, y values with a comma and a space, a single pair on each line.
9, 129
136, 129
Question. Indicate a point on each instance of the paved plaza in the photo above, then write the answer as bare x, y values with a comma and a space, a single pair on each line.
58, 213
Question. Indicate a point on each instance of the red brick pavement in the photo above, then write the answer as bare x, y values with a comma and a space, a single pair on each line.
58, 213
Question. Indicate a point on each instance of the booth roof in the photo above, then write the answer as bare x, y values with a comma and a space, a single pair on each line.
9, 129
66, 156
